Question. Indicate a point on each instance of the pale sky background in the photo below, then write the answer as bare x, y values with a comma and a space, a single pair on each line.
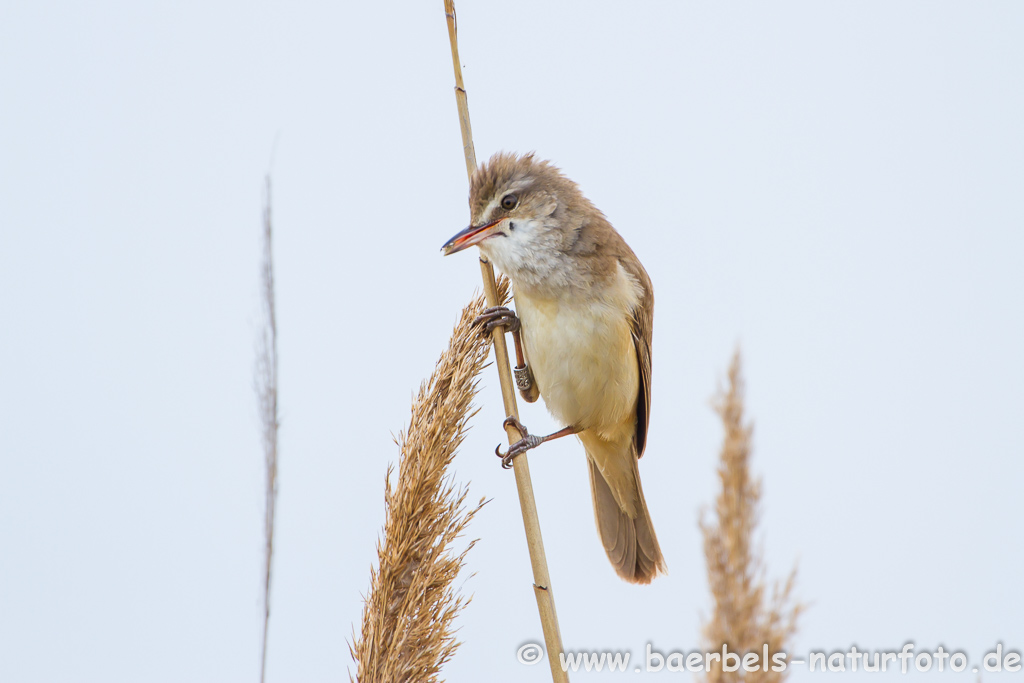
836, 186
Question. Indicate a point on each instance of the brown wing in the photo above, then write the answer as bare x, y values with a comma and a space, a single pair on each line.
642, 326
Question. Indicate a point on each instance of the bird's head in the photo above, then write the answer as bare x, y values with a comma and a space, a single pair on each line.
525, 215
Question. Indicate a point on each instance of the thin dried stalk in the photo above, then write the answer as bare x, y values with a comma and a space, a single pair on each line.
407, 629
266, 393
542, 590
743, 619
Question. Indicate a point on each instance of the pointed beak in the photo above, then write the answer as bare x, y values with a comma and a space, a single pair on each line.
474, 234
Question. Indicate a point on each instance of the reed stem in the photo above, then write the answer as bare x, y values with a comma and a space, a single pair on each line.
531, 522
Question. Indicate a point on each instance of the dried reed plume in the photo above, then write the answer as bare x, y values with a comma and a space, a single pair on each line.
743, 617
407, 632
265, 376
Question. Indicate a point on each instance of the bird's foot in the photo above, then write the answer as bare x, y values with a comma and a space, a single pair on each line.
525, 443
498, 316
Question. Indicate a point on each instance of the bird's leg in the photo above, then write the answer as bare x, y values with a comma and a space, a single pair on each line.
527, 440
500, 316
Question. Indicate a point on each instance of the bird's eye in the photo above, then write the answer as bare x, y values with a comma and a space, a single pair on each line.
509, 201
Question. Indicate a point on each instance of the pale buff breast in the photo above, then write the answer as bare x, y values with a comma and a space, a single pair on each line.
582, 355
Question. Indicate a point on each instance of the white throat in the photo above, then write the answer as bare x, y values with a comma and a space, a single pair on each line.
528, 251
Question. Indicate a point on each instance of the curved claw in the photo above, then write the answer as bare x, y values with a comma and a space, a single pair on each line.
513, 422
498, 316
525, 443
506, 458
528, 442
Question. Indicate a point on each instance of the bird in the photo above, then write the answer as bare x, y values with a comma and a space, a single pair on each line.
582, 327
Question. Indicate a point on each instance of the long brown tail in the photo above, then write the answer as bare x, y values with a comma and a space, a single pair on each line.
629, 542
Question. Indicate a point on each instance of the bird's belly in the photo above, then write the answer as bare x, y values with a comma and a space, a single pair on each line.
583, 361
